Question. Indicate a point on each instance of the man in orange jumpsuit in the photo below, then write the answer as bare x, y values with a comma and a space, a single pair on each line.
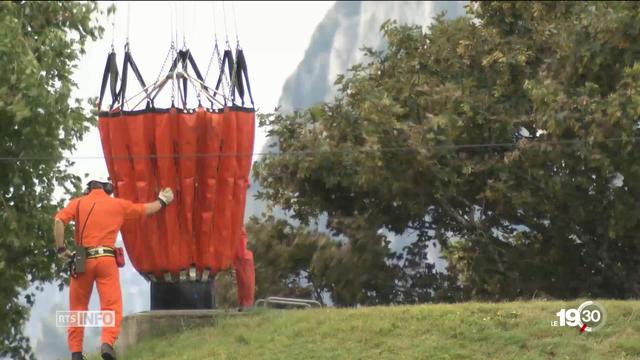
98, 218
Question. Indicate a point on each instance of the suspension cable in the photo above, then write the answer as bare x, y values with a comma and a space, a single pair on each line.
171, 29
226, 31
113, 32
215, 42
128, 20
235, 22
172, 43
216, 49
215, 23
173, 36
213, 55
174, 13
166, 59
184, 27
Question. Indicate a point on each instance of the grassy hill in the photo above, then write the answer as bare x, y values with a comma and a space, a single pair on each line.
516, 330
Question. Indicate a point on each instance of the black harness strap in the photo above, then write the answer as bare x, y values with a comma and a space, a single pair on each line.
185, 82
240, 73
181, 59
129, 62
110, 74
184, 58
227, 58
196, 71
123, 84
194, 66
84, 226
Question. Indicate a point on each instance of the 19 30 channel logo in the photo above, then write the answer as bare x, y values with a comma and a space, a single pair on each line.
589, 316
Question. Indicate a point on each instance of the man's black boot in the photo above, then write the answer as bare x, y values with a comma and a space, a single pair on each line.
107, 352
77, 356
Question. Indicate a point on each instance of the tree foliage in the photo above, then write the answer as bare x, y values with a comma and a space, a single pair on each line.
39, 44
301, 262
502, 136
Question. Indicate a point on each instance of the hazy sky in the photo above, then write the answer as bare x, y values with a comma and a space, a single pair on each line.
274, 36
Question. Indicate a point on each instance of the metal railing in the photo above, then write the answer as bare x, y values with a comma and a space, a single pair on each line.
292, 302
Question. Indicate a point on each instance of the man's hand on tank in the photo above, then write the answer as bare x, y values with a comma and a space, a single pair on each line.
165, 196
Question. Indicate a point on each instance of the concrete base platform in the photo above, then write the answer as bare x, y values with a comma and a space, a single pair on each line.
144, 325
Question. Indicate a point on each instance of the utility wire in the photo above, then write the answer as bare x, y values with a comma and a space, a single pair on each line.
316, 152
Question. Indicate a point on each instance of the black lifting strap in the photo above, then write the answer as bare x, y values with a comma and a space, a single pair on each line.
110, 73
194, 66
240, 73
128, 61
227, 58
185, 82
185, 58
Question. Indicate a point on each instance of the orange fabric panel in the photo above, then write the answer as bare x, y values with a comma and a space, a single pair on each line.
223, 234
242, 252
245, 127
187, 141
105, 137
245, 272
165, 125
240, 186
124, 183
245, 121
141, 141
130, 231
208, 167
245, 280
122, 177
141, 135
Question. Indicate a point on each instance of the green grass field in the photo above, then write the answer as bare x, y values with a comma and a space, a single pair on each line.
516, 330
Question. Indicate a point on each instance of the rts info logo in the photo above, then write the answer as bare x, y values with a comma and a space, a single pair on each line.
589, 316
106, 318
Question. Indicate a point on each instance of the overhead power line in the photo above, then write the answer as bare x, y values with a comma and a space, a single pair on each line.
316, 151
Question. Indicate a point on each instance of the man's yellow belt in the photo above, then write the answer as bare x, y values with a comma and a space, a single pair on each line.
99, 251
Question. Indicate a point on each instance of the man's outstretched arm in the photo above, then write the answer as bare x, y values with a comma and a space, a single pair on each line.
164, 198
152, 207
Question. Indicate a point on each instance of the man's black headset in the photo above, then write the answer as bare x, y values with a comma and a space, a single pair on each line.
106, 186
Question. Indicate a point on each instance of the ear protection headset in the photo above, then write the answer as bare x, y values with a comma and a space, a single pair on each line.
106, 186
